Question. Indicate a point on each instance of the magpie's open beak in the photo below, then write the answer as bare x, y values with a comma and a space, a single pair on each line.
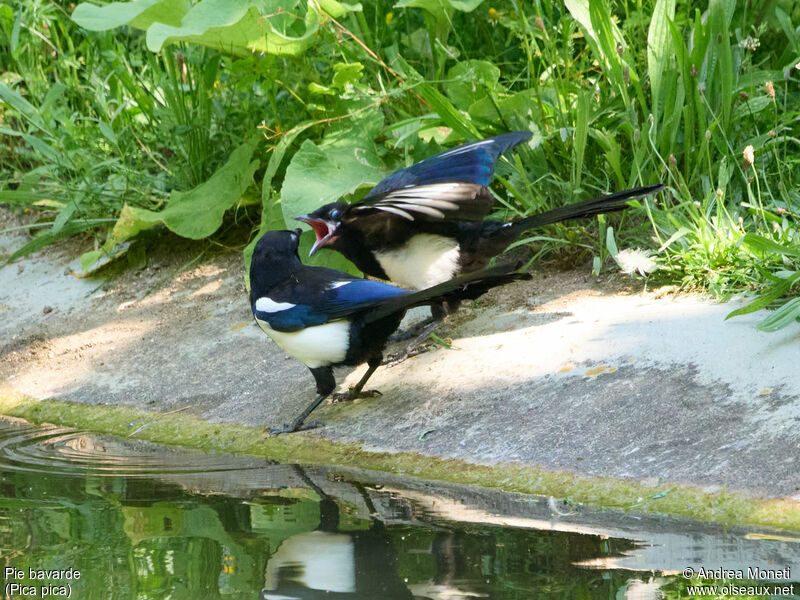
322, 229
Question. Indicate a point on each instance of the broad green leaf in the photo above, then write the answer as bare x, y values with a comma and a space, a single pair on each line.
107, 131
344, 161
579, 9
271, 213
788, 29
434, 5
139, 14
611, 245
679, 234
198, 213
659, 49
195, 214
781, 317
470, 80
53, 97
441, 10
337, 9
235, 26
753, 105
91, 262
40, 146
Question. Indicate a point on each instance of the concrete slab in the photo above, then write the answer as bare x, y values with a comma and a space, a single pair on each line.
566, 371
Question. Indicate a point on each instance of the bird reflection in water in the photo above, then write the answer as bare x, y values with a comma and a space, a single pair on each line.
353, 565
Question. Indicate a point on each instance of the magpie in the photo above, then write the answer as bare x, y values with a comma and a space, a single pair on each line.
326, 318
334, 562
426, 223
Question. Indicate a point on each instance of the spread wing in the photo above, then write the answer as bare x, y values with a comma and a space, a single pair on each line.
436, 201
451, 185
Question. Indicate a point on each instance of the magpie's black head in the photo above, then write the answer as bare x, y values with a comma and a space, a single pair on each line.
325, 222
274, 257
276, 246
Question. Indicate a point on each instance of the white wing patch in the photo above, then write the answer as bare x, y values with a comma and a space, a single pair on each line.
338, 284
430, 200
268, 305
422, 261
316, 346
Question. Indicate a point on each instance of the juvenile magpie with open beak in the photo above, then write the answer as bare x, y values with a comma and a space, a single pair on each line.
326, 318
426, 223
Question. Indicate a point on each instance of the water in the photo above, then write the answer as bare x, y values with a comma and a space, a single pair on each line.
126, 519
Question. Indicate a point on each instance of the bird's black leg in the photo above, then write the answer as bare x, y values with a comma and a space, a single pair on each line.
438, 314
415, 347
413, 331
325, 385
356, 391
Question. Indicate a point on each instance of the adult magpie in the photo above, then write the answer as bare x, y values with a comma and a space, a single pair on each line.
425, 224
326, 318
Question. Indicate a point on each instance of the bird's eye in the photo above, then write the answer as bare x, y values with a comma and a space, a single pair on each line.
335, 213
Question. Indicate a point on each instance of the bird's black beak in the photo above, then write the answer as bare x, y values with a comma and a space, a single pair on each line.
322, 229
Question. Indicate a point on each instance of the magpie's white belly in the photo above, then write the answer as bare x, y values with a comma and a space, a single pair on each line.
317, 346
320, 560
421, 262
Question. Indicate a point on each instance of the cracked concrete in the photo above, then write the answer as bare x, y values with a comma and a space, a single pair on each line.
566, 371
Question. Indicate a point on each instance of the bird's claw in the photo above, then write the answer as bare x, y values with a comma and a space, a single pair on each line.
395, 359
410, 332
291, 429
351, 395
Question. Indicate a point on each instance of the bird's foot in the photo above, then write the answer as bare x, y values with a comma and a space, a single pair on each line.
351, 394
411, 332
293, 428
395, 359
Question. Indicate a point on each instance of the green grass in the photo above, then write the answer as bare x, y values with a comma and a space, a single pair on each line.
703, 97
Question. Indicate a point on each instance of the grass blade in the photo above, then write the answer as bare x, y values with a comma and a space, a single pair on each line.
659, 50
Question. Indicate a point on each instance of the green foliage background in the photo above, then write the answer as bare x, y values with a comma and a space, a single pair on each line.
201, 116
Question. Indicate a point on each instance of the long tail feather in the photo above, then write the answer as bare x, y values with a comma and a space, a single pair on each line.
588, 208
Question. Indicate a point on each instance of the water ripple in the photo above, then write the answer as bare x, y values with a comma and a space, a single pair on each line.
65, 451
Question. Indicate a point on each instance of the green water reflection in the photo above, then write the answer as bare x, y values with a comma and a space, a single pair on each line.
137, 538
172, 535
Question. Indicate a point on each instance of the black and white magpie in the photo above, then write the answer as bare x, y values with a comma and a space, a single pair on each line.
425, 224
334, 562
326, 318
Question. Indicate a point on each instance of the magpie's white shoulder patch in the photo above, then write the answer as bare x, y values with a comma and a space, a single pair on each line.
338, 284
268, 305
